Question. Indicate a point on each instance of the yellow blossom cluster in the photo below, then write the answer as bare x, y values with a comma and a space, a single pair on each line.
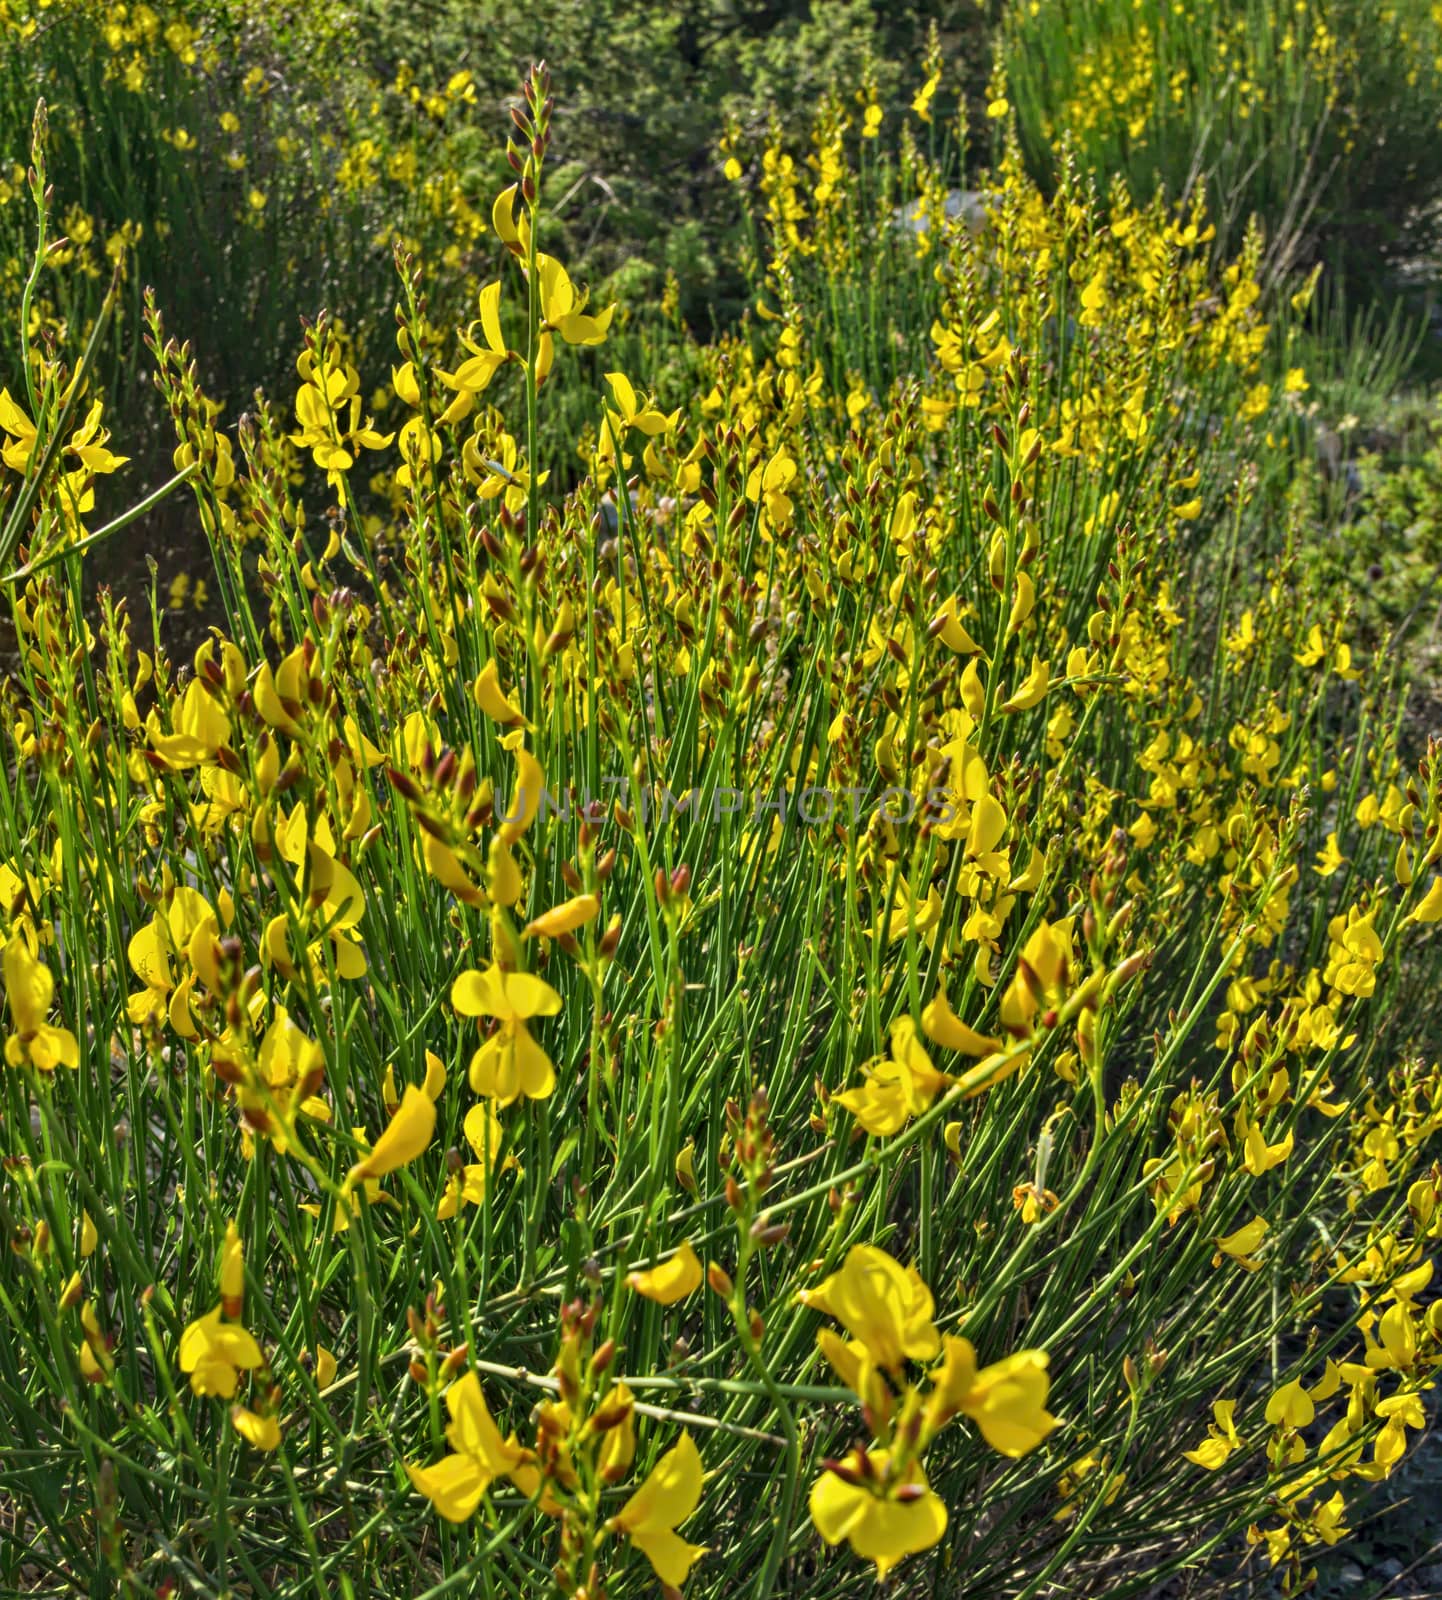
842, 984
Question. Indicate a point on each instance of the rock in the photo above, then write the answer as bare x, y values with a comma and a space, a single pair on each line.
970, 205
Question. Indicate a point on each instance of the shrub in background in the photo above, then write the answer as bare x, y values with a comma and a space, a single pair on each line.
1321, 118
227, 157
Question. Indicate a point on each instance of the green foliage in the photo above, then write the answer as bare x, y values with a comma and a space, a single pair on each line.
647, 92
1074, 1057
1320, 117
1381, 545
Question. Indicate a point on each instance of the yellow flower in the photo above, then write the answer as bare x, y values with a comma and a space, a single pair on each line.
21, 431
1240, 1245
232, 1272
261, 1430
630, 412
1007, 1400
199, 728
854, 1365
883, 1518
669, 1495
1032, 688
96, 1362
883, 1304
1257, 1155
513, 232
1327, 1519
676, 1277
563, 310
405, 1136
510, 1063
1040, 975
455, 1484
898, 1088
618, 1443
468, 1186
772, 483
985, 833
1221, 1440
526, 801
328, 409
486, 359
921, 101
88, 443
1353, 953
30, 989
1329, 858
215, 1353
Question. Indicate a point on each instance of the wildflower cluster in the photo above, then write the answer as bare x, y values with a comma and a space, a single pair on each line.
1274, 105
1034, 1160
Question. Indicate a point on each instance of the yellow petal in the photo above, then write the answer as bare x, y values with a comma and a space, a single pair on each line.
877, 1528
454, 1486
406, 1135
492, 699
526, 798
1211, 1453
669, 1495
564, 918
232, 1270
1245, 1239
263, 1432
942, 1026
1291, 1406
1429, 907
676, 1277
479, 994
671, 1557
1008, 1403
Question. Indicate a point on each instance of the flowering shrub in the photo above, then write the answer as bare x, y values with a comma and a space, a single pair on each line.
844, 998
230, 157
1314, 114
